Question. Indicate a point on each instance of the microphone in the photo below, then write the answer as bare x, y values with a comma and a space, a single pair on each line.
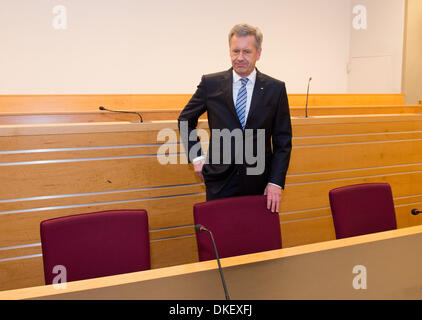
133, 112
415, 212
307, 95
199, 228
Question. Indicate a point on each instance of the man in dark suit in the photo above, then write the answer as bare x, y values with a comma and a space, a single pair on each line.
247, 110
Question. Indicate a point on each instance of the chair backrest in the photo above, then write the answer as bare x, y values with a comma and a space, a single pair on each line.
240, 225
96, 244
362, 209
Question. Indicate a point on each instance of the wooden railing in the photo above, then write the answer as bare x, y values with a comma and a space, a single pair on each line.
91, 102
172, 114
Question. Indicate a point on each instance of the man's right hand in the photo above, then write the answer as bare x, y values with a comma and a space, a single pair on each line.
197, 166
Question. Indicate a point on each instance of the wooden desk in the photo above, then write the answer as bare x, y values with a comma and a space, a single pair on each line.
324, 270
93, 116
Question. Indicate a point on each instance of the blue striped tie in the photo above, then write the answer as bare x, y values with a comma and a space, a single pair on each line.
241, 102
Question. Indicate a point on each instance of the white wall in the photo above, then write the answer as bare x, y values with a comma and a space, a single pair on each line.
134, 46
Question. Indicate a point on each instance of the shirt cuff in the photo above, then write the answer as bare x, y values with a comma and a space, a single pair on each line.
200, 158
274, 184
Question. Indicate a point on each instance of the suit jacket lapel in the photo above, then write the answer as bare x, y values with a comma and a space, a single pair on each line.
227, 88
257, 95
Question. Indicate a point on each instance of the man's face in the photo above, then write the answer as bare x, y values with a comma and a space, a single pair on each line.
243, 54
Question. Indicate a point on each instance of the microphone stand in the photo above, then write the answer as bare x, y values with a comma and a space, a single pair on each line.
307, 95
118, 111
200, 228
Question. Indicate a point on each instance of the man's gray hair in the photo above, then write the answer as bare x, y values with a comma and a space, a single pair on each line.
243, 30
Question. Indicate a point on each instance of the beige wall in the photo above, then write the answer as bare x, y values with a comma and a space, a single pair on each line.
412, 67
376, 52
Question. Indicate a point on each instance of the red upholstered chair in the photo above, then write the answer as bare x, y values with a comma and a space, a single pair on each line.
96, 244
240, 225
362, 208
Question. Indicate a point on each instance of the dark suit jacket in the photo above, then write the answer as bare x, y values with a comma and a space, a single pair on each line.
269, 110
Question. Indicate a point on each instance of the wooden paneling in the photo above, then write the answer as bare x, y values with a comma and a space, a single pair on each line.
57, 170
299, 232
32, 180
79, 154
91, 102
349, 125
354, 110
8, 118
93, 116
180, 250
23, 227
19, 141
346, 156
21, 273
28, 250
98, 197
346, 99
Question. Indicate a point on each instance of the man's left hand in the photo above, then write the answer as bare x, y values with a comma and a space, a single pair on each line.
273, 194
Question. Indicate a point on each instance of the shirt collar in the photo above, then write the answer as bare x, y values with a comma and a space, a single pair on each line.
251, 77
